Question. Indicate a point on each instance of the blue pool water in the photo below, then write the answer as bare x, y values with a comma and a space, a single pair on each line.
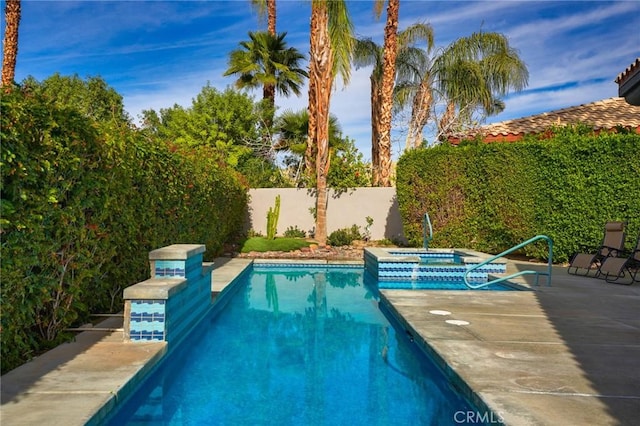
296, 346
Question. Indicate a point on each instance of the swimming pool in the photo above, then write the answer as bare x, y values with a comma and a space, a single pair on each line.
295, 346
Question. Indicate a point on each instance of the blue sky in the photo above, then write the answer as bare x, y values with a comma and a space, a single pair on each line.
160, 53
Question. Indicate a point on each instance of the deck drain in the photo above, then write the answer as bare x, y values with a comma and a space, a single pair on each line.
457, 322
438, 312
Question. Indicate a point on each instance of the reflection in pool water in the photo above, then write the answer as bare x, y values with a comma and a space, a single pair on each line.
296, 347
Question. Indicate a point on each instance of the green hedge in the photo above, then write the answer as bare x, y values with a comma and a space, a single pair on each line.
83, 203
490, 197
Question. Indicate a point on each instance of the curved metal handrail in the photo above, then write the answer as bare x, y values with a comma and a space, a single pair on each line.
517, 274
425, 239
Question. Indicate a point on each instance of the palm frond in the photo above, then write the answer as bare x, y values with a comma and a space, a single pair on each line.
342, 40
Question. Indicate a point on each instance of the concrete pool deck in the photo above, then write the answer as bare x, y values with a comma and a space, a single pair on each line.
567, 354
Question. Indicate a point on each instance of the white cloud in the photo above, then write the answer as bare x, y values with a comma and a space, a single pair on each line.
157, 54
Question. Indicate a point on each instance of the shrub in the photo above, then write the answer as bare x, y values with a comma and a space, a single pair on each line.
490, 197
83, 203
344, 236
294, 232
253, 233
387, 242
367, 229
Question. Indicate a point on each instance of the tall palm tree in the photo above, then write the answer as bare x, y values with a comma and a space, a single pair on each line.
268, 7
475, 72
331, 41
320, 84
265, 60
386, 93
470, 75
368, 53
10, 44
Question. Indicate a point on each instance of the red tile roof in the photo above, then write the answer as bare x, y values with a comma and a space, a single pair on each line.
629, 83
627, 73
605, 114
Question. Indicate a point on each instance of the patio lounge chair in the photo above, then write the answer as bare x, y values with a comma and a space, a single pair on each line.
612, 246
615, 268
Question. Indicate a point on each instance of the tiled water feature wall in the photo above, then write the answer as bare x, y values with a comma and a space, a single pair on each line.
397, 264
178, 294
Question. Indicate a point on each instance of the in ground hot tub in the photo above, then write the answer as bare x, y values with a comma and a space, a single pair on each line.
428, 268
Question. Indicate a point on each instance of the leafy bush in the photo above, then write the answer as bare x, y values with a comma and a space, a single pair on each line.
344, 236
294, 232
224, 121
490, 197
386, 242
253, 233
84, 200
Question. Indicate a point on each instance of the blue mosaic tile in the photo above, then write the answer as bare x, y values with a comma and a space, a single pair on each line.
147, 301
170, 264
170, 273
147, 308
147, 317
146, 336
146, 326
169, 268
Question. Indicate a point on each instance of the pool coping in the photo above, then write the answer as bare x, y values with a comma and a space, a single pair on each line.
449, 373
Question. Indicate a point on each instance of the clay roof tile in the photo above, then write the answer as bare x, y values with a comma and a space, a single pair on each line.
604, 114
628, 72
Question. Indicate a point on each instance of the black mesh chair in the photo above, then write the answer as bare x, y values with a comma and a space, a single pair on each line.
618, 269
612, 246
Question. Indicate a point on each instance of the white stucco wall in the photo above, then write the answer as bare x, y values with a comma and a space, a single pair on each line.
343, 211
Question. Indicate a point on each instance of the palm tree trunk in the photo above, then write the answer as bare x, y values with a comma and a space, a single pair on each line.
268, 7
269, 97
420, 114
10, 45
386, 101
445, 126
311, 151
271, 17
321, 78
375, 132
